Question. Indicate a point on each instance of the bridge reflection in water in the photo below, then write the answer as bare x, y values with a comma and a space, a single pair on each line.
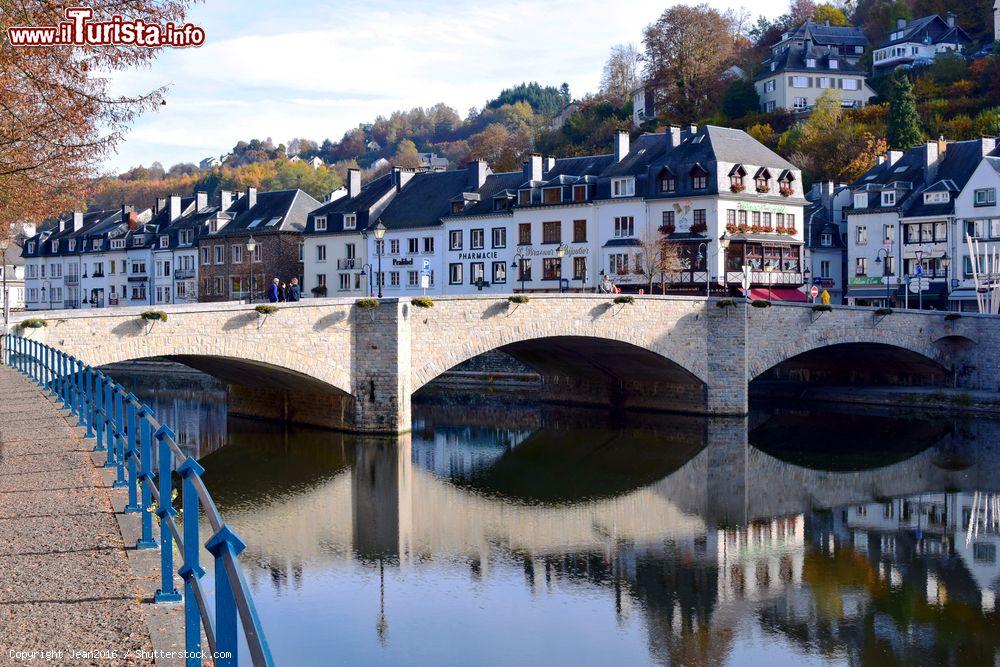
528, 534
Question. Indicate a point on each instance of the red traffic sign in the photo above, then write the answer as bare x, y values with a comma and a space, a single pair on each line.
814, 291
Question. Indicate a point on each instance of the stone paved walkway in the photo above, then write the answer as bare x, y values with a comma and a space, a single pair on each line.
65, 580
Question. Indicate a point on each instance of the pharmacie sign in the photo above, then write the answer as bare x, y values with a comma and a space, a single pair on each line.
486, 254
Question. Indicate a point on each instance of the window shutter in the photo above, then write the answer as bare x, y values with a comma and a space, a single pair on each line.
810, 82
790, 80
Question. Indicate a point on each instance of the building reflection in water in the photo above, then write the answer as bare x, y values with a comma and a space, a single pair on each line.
702, 547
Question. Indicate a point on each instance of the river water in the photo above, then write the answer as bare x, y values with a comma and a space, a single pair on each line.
505, 532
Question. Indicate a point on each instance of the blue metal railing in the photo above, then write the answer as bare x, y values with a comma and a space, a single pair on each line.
126, 429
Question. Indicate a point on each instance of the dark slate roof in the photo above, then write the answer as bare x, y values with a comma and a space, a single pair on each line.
794, 58
371, 193
933, 29
817, 223
275, 211
95, 223
830, 34
615, 243
960, 159
502, 184
425, 199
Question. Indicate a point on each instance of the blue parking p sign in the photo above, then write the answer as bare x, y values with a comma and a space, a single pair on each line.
425, 268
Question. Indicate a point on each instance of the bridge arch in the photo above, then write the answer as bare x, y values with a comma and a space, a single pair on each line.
854, 362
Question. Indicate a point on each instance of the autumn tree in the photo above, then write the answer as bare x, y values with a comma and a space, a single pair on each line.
406, 155
621, 73
658, 259
835, 15
904, 122
58, 119
687, 51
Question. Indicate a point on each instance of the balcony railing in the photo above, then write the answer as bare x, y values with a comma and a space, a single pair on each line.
184, 274
347, 264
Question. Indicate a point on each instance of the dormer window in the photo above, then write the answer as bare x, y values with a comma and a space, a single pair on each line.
834, 63
810, 62
579, 193
320, 221
501, 204
524, 197
826, 239
785, 184
72, 245
164, 241
861, 200
551, 195
736, 178
350, 221
116, 244
137, 241
98, 244
55, 246
762, 180
699, 178
774, 66
31, 247
889, 198
623, 187
457, 207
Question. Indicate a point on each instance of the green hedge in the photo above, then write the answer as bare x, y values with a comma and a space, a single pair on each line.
950, 317
154, 315
822, 308
518, 298
265, 309
882, 312
34, 323
624, 299
724, 303
761, 303
422, 302
367, 303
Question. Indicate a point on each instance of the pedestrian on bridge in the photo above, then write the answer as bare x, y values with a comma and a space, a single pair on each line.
294, 291
274, 290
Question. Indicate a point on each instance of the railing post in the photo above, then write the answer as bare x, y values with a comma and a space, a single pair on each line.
109, 416
88, 399
131, 454
146, 540
223, 543
119, 438
36, 366
81, 419
166, 592
100, 421
61, 366
191, 570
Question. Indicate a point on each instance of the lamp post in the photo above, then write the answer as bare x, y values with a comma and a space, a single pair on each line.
885, 270
768, 268
4, 244
251, 245
919, 271
379, 232
560, 253
806, 276
49, 300
708, 283
724, 241
518, 264
366, 270
945, 262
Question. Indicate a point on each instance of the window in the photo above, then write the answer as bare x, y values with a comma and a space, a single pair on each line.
413, 246
455, 274
218, 285
552, 195
139, 292
236, 254
524, 272
31, 247
455, 239
769, 106
477, 273
551, 232
258, 252
985, 197
834, 63
850, 84
302, 251
984, 552
321, 253
117, 244
861, 235
826, 239
699, 220
321, 223
889, 198
618, 264
800, 103
888, 234
55, 246
477, 239
428, 244
579, 268
524, 233
823, 82
824, 269
861, 266
699, 179
501, 204
769, 86
164, 241
800, 82
861, 200
524, 197
394, 278
552, 268
350, 221
380, 247
579, 193
97, 244
218, 254
624, 226
579, 231
350, 252
622, 187
889, 266
393, 246
72, 245
936, 198
138, 241
457, 207
345, 281
185, 237
499, 237
668, 182
499, 272
810, 62
412, 279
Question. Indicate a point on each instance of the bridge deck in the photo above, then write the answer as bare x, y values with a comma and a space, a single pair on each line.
65, 580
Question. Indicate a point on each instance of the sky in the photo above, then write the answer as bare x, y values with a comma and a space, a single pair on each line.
304, 68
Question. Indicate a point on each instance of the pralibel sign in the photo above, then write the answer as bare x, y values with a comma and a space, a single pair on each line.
407, 261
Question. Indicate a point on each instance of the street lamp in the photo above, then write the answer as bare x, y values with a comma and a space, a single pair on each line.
919, 254
945, 262
768, 268
379, 232
708, 283
724, 241
366, 270
560, 253
4, 244
885, 270
518, 263
251, 246
49, 301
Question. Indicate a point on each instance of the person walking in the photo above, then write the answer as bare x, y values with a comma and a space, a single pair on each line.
294, 292
272, 291
606, 286
283, 292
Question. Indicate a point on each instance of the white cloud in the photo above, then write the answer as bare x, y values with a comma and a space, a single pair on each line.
315, 70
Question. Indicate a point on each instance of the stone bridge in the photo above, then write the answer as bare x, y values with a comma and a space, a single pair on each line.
329, 362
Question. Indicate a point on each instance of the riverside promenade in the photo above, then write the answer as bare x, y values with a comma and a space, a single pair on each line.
66, 581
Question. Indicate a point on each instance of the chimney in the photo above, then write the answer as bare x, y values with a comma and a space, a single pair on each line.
550, 163
942, 145
894, 157
77, 220
225, 199
201, 200
175, 207
621, 145
161, 203
62, 223
931, 153
478, 171
900, 24
353, 182
251, 198
401, 176
533, 167
880, 159
129, 217
988, 145
674, 136
951, 20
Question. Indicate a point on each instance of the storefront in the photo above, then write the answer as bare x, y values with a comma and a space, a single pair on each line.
869, 291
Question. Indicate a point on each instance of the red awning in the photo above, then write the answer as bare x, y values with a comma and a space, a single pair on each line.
778, 294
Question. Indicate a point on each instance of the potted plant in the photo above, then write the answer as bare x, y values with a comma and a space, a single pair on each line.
755, 228
785, 190
822, 308
668, 228
951, 317
624, 299
791, 231
724, 303
767, 229
366, 304
518, 299
319, 291
265, 309
699, 227
760, 303
154, 316
34, 323
763, 189
737, 187
422, 302
743, 228
731, 227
